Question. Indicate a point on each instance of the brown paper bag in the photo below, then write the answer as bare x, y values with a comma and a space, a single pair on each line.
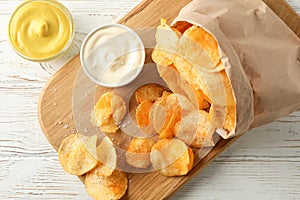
261, 57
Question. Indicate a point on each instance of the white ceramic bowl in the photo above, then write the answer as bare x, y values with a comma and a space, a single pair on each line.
86, 63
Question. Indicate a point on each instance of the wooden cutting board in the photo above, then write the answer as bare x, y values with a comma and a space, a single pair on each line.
56, 109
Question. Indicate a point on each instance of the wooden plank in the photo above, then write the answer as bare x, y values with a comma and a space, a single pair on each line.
55, 105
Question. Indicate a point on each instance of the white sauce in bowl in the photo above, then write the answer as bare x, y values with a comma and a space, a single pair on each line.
112, 55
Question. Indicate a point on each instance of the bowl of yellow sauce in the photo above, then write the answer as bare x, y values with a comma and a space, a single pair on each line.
41, 30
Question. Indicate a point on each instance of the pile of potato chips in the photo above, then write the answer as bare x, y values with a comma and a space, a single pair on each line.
160, 110
188, 60
199, 100
79, 155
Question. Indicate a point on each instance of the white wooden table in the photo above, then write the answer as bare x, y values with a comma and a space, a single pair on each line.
264, 164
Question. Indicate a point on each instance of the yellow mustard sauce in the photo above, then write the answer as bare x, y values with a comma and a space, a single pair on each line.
40, 29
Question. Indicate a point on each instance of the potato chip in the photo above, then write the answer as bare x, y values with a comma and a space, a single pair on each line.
166, 40
77, 154
138, 152
103, 111
195, 129
164, 114
142, 113
106, 188
172, 157
203, 49
108, 112
107, 158
148, 92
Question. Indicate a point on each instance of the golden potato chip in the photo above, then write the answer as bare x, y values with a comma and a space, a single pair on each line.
103, 110
203, 49
166, 41
108, 112
181, 166
138, 152
195, 129
77, 154
142, 113
172, 157
148, 92
106, 188
107, 158
164, 114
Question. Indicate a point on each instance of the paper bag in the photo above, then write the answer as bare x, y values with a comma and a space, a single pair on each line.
261, 56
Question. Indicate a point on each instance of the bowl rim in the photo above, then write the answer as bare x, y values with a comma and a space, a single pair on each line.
66, 47
139, 67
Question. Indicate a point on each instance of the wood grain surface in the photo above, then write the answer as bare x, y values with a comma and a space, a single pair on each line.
264, 164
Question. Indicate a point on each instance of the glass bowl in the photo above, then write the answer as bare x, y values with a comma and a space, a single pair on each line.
12, 35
